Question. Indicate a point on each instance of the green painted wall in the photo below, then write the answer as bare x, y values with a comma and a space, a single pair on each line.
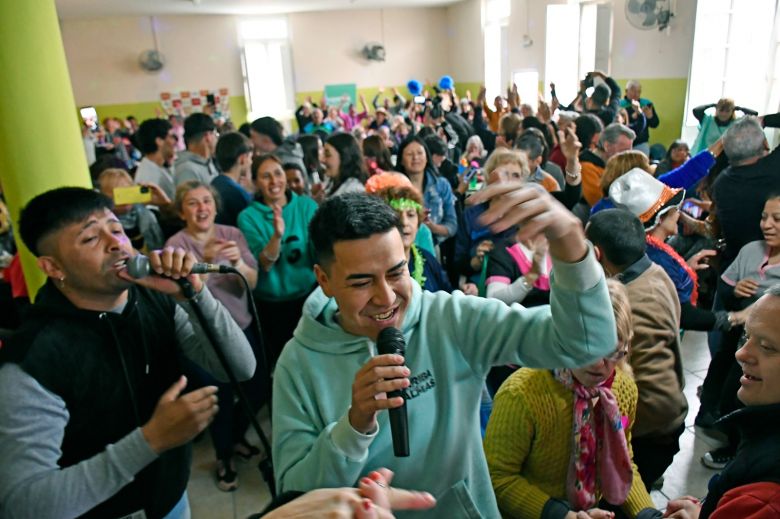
668, 95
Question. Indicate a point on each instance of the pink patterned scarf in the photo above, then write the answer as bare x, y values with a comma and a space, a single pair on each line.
599, 456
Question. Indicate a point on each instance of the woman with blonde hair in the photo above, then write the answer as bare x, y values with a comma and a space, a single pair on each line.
559, 441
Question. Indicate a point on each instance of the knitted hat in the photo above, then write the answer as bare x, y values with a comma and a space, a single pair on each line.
415, 87
446, 83
644, 196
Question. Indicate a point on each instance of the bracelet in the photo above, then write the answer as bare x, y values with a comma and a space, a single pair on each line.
269, 258
574, 175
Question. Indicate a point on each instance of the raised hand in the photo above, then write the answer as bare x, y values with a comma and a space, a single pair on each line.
177, 419
570, 145
699, 260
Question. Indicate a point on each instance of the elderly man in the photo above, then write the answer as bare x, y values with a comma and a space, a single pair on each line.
637, 106
615, 138
740, 191
748, 486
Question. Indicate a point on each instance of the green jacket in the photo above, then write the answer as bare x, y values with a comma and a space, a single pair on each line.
292, 275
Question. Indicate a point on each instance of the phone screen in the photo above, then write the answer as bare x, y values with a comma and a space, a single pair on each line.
419, 100
692, 209
132, 195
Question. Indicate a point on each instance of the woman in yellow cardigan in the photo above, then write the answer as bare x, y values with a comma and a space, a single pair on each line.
559, 441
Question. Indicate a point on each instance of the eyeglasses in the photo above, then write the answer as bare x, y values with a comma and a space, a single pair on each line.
617, 355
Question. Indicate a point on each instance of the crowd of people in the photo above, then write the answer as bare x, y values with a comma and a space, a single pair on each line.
542, 265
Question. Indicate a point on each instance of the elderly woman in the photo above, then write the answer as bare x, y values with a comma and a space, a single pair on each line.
415, 161
559, 441
423, 266
196, 204
276, 227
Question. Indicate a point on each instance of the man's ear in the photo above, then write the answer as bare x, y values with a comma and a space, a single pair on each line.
322, 279
599, 254
50, 267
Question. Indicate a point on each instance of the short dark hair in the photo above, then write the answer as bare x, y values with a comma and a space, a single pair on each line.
270, 127
230, 147
294, 165
532, 144
601, 94
148, 133
196, 125
586, 126
53, 210
619, 234
436, 144
351, 216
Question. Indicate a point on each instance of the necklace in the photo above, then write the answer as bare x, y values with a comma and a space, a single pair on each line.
419, 263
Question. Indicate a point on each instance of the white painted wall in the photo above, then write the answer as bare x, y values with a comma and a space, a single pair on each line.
635, 53
326, 46
202, 52
465, 41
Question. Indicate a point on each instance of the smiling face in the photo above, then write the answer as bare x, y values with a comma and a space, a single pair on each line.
413, 159
88, 255
271, 182
770, 222
760, 356
198, 209
331, 160
369, 279
295, 180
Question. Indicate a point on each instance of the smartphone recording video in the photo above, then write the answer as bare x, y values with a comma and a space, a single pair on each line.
132, 195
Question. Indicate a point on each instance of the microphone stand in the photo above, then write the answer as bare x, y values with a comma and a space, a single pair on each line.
266, 465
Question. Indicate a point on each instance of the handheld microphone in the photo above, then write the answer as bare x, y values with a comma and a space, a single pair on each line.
391, 341
139, 267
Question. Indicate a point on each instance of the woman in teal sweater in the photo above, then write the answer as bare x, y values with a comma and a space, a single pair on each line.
276, 227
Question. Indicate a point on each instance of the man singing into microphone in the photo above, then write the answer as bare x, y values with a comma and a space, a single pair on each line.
93, 422
330, 427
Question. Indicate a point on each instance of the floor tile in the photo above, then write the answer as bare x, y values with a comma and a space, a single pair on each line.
686, 475
659, 499
695, 354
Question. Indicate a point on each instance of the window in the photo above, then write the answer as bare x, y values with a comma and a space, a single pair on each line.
267, 68
527, 82
734, 55
496, 21
577, 42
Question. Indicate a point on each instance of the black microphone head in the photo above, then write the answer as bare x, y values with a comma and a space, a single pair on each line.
391, 341
138, 266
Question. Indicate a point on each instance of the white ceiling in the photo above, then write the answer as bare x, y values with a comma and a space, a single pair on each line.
102, 8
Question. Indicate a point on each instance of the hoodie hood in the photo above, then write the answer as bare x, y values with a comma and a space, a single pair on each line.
188, 156
320, 331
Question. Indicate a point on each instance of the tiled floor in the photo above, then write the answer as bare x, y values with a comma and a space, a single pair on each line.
686, 475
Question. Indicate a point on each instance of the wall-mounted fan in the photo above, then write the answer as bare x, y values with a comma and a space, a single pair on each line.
152, 60
649, 14
374, 52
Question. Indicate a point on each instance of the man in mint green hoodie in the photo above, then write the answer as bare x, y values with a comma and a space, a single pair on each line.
329, 424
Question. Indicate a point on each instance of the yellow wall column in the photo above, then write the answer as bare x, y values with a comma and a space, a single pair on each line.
40, 138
